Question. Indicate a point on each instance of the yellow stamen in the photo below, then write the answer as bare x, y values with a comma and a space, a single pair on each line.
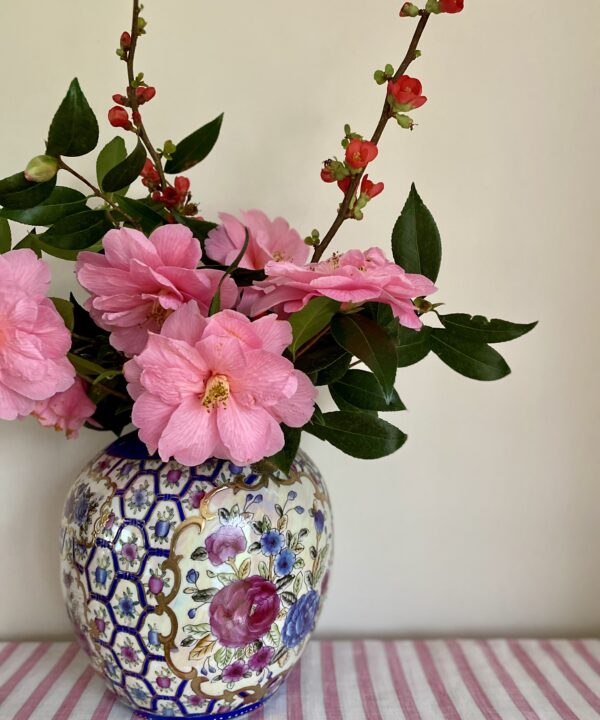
215, 392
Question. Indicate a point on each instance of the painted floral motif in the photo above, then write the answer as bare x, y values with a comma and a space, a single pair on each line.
225, 564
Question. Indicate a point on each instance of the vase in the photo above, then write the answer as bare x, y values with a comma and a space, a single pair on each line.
194, 590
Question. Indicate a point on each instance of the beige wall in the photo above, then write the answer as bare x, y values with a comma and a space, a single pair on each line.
488, 520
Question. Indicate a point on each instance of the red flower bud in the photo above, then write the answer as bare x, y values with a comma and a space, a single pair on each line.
136, 117
451, 6
406, 93
359, 153
125, 40
149, 93
344, 183
170, 197
120, 99
149, 175
182, 185
119, 117
370, 189
327, 175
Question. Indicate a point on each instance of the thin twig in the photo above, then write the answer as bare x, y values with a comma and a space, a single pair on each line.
97, 192
133, 101
344, 209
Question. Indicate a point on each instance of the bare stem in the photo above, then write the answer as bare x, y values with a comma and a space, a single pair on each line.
386, 113
97, 192
133, 101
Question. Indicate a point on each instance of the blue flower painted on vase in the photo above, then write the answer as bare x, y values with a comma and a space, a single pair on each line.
236, 469
139, 498
153, 638
138, 694
319, 521
300, 619
192, 576
285, 562
271, 542
292, 495
127, 605
81, 509
100, 576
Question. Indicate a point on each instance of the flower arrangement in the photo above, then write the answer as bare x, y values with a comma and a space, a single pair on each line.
214, 338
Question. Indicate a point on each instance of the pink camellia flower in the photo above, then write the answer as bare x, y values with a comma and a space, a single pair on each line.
225, 544
355, 277
140, 281
33, 338
244, 611
268, 240
217, 386
67, 410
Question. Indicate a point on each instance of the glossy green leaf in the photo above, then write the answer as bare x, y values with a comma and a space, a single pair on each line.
125, 172
5, 236
200, 228
416, 243
195, 147
148, 216
61, 202
30, 242
362, 390
285, 457
308, 322
65, 310
479, 329
364, 339
74, 233
472, 359
335, 371
359, 435
322, 355
215, 304
412, 345
74, 128
109, 157
18, 193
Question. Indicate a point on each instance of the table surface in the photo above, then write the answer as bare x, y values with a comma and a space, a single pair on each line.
358, 680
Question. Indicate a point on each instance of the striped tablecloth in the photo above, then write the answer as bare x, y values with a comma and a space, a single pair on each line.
360, 680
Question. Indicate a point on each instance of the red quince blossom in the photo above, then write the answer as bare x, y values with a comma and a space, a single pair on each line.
119, 117
344, 183
369, 188
360, 153
149, 175
451, 6
406, 92
327, 175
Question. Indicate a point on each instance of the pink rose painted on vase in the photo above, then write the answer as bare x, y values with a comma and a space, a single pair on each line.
244, 611
225, 544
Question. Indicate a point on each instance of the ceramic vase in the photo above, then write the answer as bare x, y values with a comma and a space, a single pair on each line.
194, 590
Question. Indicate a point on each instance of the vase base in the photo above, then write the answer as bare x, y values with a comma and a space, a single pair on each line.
146, 715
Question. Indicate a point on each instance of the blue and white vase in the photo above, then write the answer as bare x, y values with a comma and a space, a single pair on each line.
194, 589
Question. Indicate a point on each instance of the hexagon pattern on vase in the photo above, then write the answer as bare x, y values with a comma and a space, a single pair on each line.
194, 589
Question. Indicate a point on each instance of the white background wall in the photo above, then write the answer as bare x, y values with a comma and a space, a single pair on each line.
488, 520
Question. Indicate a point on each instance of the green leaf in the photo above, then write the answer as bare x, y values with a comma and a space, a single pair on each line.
109, 157
215, 304
479, 329
195, 147
362, 390
472, 359
416, 240
362, 337
5, 236
30, 242
146, 215
412, 345
65, 310
285, 457
200, 228
125, 172
61, 202
17, 193
74, 128
322, 355
359, 435
309, 321
74, 233
335, 371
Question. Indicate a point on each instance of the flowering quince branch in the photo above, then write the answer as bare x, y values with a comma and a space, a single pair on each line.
213, 339
387, 112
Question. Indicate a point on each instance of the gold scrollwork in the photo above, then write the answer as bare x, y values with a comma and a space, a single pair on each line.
251, 693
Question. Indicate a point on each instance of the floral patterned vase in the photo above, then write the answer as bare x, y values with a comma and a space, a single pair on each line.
194, 589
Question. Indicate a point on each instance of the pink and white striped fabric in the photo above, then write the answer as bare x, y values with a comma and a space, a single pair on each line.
359, 680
